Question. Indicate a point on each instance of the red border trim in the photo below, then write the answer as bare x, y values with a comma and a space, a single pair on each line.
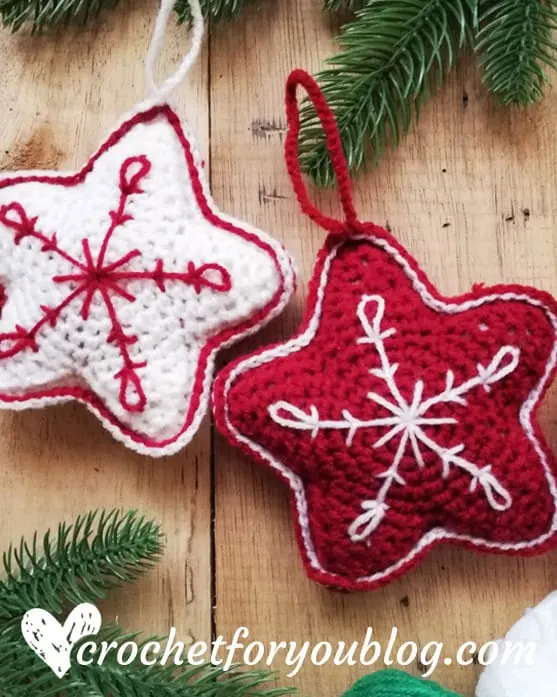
88, 396
219, 405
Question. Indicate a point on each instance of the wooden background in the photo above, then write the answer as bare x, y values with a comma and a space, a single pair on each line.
471, 193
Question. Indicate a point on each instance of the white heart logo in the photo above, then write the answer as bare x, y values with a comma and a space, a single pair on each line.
52, 641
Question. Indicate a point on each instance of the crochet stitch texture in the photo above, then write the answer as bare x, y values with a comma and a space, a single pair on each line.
120, 283
399, 418
395, 683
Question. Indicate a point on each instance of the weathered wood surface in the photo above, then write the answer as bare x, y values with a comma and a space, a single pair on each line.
470, 193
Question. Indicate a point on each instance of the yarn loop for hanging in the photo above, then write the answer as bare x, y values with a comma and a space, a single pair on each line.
162, 91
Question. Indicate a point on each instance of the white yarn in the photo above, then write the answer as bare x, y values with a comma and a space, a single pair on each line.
535, 675
166, 327
163, 91
171, 327
405, 421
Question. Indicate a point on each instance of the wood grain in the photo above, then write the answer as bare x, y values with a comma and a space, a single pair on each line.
63, 93
470, 193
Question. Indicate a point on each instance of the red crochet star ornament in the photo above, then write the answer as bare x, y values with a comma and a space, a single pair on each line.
399, 418
119, 283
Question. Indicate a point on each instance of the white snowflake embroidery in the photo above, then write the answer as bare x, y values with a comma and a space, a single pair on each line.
408, 420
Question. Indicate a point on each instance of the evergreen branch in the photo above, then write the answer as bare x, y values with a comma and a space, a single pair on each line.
217, 10
95, 554
87, 558
392, 54
515, 45
22, 674
138, 680
42, 13
344, 4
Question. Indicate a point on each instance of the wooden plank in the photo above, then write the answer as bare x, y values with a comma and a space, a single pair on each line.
61, 94
490, 175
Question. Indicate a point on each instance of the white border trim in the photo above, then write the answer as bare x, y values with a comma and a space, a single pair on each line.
295, 482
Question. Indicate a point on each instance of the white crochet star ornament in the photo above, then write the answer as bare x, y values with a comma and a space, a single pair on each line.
523, 664
120, 282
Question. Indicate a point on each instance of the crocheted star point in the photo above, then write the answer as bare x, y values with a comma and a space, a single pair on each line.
408, 421
399, 418
120, 282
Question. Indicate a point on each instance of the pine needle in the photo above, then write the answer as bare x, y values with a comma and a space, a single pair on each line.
81, 564
42, 13
22, 674
344, 4
216, 10
515, 45
98, 552
137, 680
392, 54
39, 14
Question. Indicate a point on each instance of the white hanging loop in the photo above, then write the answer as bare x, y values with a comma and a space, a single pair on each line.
162, 92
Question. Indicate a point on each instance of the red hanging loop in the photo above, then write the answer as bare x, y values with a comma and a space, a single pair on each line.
334, 147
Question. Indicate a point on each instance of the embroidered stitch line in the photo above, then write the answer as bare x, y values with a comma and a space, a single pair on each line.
408, 420
95, 278
165, 356
179, 332
242, 367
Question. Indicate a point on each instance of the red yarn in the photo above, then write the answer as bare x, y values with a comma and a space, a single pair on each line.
399, 418
334, 144
95, 278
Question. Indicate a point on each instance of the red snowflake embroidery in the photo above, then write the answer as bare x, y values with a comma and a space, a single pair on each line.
94, 278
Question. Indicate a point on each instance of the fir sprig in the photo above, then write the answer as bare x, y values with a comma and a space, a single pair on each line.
80, 564
138, 680
515, 45
343, 4
217, 10
391, 55
394, 51
42, 13
88, 558
22, 674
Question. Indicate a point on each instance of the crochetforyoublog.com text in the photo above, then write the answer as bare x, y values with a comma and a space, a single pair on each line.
366, 652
